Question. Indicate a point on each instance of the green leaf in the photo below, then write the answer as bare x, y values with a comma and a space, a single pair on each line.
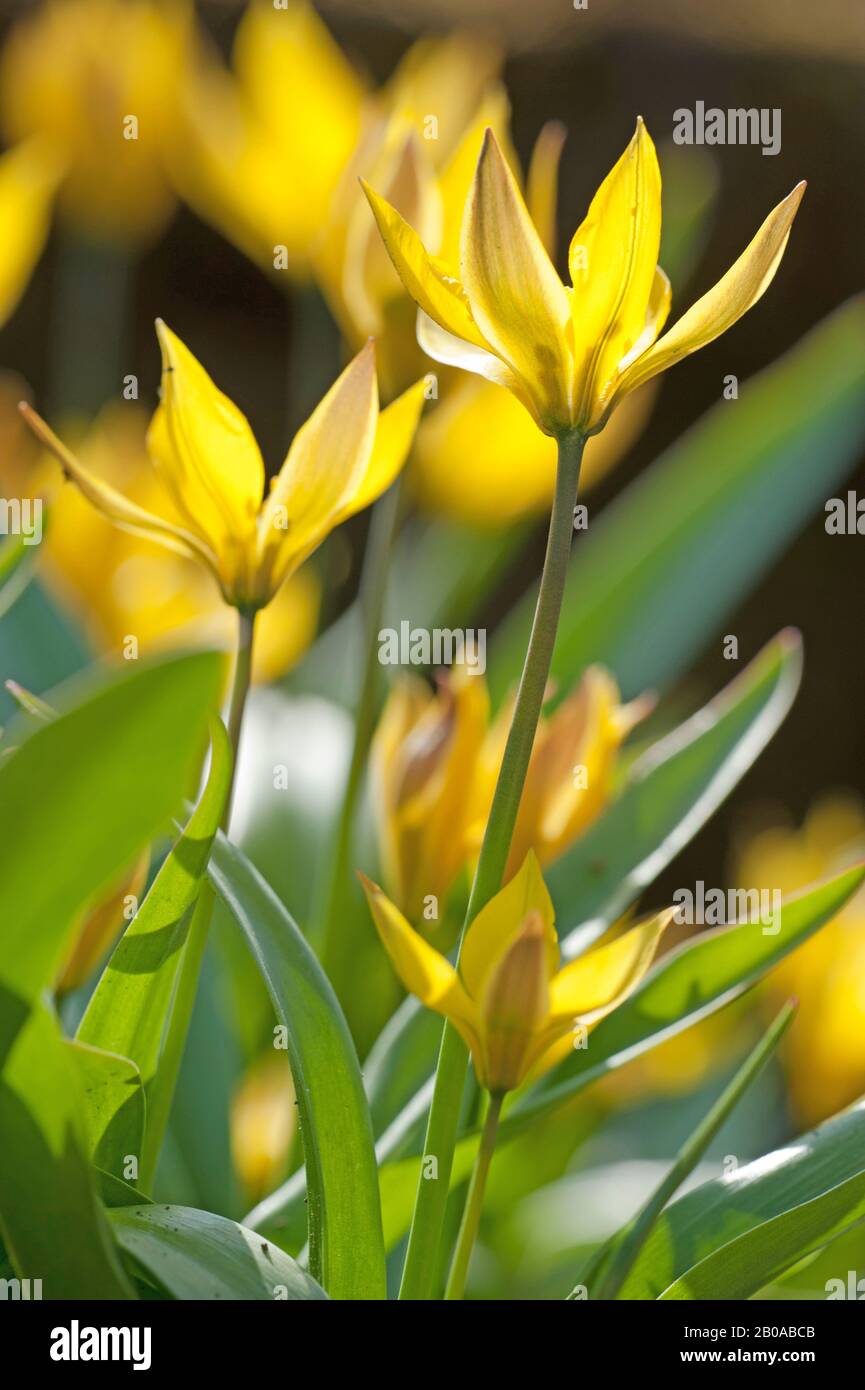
127, 1010
656, 575
671, 792
345, 1239
79, 797
194, 1254
722, 1211
98, 783
53, 1225
743, 1266
16, 570
698, 978
610, 1265
113, 1106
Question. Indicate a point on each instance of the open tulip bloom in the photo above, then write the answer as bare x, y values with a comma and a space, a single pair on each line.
509, 1000
204, 452
569, 352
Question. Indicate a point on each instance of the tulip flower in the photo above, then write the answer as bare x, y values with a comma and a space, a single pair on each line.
569, 353
263, 1124
209, 465
509, 999
118, 585
436, 759
98, 81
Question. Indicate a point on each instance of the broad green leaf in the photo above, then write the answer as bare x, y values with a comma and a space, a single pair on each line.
672, 790
99, 782
127, 1010
113, 1106
743, 1266
79, 797
345, 1239
727, 1208
654, 577
53, 1225
690, 983
609, 1267
194, 1254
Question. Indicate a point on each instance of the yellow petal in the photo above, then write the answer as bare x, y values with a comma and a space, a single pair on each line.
735, 293
204, 449
613, 258
394, 433
308, 97
452, 351
369, 281
114, 505
497, 924
325, 465
594, 984
516, 298
542, 182
433, 286
514, 1007
456, 178
423, 971
28, 178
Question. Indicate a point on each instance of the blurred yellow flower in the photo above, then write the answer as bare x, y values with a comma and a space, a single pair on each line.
118, 585
824, 1051
263, 1125
99, 81
28, 178
208, 463
435, 761
99, 926
569, 354
515, 1009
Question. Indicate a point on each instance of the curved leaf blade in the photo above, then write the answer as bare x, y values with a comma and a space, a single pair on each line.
194, 1254
346, 1249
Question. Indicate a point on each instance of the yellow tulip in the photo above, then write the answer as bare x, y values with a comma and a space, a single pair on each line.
515, 1009
28, 178
435, 761
423, 758
568, 353
99, 81
263, 1125
118, 585
264, 148
571, 772
209, 465
824, 1051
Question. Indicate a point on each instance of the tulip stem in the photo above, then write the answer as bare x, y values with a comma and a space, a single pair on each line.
161, 1097
338, 879
422, 1254
471, 1221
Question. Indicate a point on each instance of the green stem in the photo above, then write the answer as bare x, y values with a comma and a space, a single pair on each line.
474, 1202
431, 1198
164, 1085
334, 915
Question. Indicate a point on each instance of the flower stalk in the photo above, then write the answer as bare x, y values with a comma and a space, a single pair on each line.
425, 1235
165, 1081
471, 1220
